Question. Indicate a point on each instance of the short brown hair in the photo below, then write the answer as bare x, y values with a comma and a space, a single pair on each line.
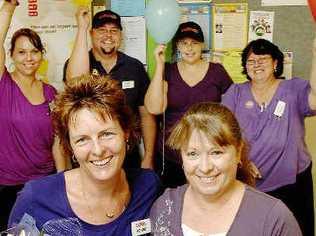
31, 35
102, 95
220, 126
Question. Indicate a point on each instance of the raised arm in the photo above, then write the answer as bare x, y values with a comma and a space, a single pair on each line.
312, 80
6, 13
79, 58
149, 129
156, 95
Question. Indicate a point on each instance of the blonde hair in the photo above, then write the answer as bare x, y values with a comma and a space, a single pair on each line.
220, 126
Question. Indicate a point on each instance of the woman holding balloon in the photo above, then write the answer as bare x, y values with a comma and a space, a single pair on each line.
177, 86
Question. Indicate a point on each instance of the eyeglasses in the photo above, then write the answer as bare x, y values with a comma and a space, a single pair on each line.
259, 61
191, 43
102, 31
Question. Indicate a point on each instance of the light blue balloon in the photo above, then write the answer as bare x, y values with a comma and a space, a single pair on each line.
162, 19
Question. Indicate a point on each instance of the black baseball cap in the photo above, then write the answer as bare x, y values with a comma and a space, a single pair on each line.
104, 17
191, 30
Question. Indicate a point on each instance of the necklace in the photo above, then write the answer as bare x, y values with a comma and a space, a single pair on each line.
122, 195
263, 96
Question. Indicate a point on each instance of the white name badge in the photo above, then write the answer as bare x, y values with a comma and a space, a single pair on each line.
141, 227
279, 109
128, 84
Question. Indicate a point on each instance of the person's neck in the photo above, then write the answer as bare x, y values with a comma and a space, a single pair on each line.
205, 202
191, 66
108, 61
100, 56
263, 86
104, 189
27, 80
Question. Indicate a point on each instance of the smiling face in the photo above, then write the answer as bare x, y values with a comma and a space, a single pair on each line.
209, 168
99, 145
190, 49
106, 39
26, 57
260, 67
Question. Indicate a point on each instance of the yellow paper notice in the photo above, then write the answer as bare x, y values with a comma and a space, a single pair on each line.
82, 2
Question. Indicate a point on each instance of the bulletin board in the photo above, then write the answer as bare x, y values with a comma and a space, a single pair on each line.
294, 31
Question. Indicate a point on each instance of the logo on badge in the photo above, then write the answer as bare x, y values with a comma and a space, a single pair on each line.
141, 227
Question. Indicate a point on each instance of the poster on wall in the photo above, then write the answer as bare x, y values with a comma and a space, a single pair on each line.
134, 37
261, 25
283, 2
128, 7
54, 21
201, 14
230, 26
194, 1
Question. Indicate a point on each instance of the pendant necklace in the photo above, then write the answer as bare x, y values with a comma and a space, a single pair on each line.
114, 212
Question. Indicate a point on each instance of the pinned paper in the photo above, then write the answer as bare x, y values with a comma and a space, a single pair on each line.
82, 2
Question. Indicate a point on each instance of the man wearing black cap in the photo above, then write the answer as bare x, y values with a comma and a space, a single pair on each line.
105, 59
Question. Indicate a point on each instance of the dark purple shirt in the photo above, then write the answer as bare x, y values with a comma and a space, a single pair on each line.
277, 145
26, 134
181, 96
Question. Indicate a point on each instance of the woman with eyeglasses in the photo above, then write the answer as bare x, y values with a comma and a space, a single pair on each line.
177, 86
271, 113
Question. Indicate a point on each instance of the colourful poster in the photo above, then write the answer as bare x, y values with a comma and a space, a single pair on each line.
54, 21
261, 25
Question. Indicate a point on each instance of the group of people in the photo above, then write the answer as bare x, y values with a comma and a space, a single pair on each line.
219, 145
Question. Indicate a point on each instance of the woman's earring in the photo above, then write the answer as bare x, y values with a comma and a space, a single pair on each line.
127, 145
239, 165
73, 158
275, 70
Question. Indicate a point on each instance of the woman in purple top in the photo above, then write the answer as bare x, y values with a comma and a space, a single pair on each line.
177, 86
25, 125
96, 127
216, 200
271, 113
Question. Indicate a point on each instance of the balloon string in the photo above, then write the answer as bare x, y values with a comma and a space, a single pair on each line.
163, 131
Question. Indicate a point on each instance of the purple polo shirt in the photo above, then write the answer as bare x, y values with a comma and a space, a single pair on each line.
26, 134
277, 145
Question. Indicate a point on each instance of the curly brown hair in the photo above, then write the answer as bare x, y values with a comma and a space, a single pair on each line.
101, 95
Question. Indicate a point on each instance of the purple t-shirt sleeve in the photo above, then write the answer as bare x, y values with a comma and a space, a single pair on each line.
230, 98
281, 221
303, 89
50, 92
22, 205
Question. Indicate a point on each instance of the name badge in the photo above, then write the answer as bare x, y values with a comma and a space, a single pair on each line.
141, 227
128, 84
279, 109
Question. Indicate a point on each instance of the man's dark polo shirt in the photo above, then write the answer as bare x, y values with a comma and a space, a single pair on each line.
130, 72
